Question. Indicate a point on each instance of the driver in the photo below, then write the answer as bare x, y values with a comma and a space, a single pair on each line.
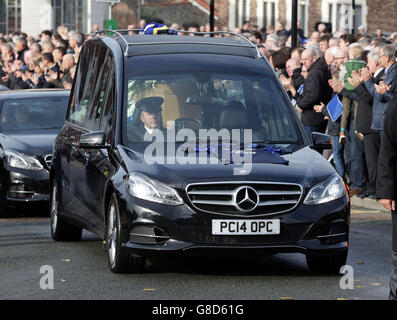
150, 116
50, 114
21, 114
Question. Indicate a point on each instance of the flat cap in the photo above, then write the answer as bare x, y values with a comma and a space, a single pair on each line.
150, 104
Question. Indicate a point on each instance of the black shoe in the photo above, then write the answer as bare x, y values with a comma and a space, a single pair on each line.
372, 196
392, 296
362, 195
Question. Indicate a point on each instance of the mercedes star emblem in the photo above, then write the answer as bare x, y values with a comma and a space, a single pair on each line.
246, 199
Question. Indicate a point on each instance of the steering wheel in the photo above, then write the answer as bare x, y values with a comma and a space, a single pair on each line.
182, 123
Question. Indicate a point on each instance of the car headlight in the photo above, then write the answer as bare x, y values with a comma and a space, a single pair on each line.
331, 189
20, 160
143, 187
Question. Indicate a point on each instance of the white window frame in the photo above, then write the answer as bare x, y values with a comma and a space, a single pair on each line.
232, 13
325, 12
76, 14
305, 3
260, 6
17, 5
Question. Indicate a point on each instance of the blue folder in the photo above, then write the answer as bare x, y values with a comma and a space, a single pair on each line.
335, 108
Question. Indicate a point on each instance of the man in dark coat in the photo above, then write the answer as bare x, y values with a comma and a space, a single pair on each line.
21, 46
363, 118
386, 187
386, 89
54, 77
333, 130
316, 91
150, 120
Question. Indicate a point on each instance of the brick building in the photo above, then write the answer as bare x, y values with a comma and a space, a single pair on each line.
34, 16
371, 14
186, 12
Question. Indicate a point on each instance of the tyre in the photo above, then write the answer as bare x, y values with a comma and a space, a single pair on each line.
60, 229
328, 264
4, 209
119, 259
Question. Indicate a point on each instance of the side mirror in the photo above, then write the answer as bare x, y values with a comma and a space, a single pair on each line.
93, 140
321, 141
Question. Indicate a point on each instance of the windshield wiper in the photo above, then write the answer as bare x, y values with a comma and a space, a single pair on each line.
269, 146
275, 142
51, 128
198, 141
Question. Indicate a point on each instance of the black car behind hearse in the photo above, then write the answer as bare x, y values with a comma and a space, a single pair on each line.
29, 123
144, 97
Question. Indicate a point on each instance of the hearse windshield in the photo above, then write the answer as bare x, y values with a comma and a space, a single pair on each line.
209, 101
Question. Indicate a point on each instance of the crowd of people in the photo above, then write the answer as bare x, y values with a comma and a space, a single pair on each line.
45, 61
361, 69
358, 71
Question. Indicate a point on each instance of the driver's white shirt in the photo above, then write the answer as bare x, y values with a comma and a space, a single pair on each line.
151, 131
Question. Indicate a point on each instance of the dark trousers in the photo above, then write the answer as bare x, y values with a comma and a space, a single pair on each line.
371, 148
309, 130
356, 159
337, 151
393, 278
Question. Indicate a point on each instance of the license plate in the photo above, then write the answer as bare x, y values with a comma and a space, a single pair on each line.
245, 227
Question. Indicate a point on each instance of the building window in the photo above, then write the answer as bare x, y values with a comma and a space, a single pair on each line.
267, 12
273, 14
358, 15
241, 12
330, 8
264, 14
10, 16
3, 23
270, 13
237, 13
244, 3
340, 14
302, 14
68, 13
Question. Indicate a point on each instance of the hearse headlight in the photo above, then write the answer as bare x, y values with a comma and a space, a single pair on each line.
20, 160
331, 189
143, 187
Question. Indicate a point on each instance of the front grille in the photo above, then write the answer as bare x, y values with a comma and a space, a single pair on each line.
221, 197
147, 235
20, 192
329, 232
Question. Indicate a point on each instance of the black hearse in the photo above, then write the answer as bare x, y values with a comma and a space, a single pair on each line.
132, 165
29, 122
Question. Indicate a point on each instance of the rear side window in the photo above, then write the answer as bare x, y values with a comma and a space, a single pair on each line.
75, 110
108, 108
99, 84
90, 67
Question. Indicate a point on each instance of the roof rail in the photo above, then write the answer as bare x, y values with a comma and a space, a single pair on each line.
118, 33
219, 32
